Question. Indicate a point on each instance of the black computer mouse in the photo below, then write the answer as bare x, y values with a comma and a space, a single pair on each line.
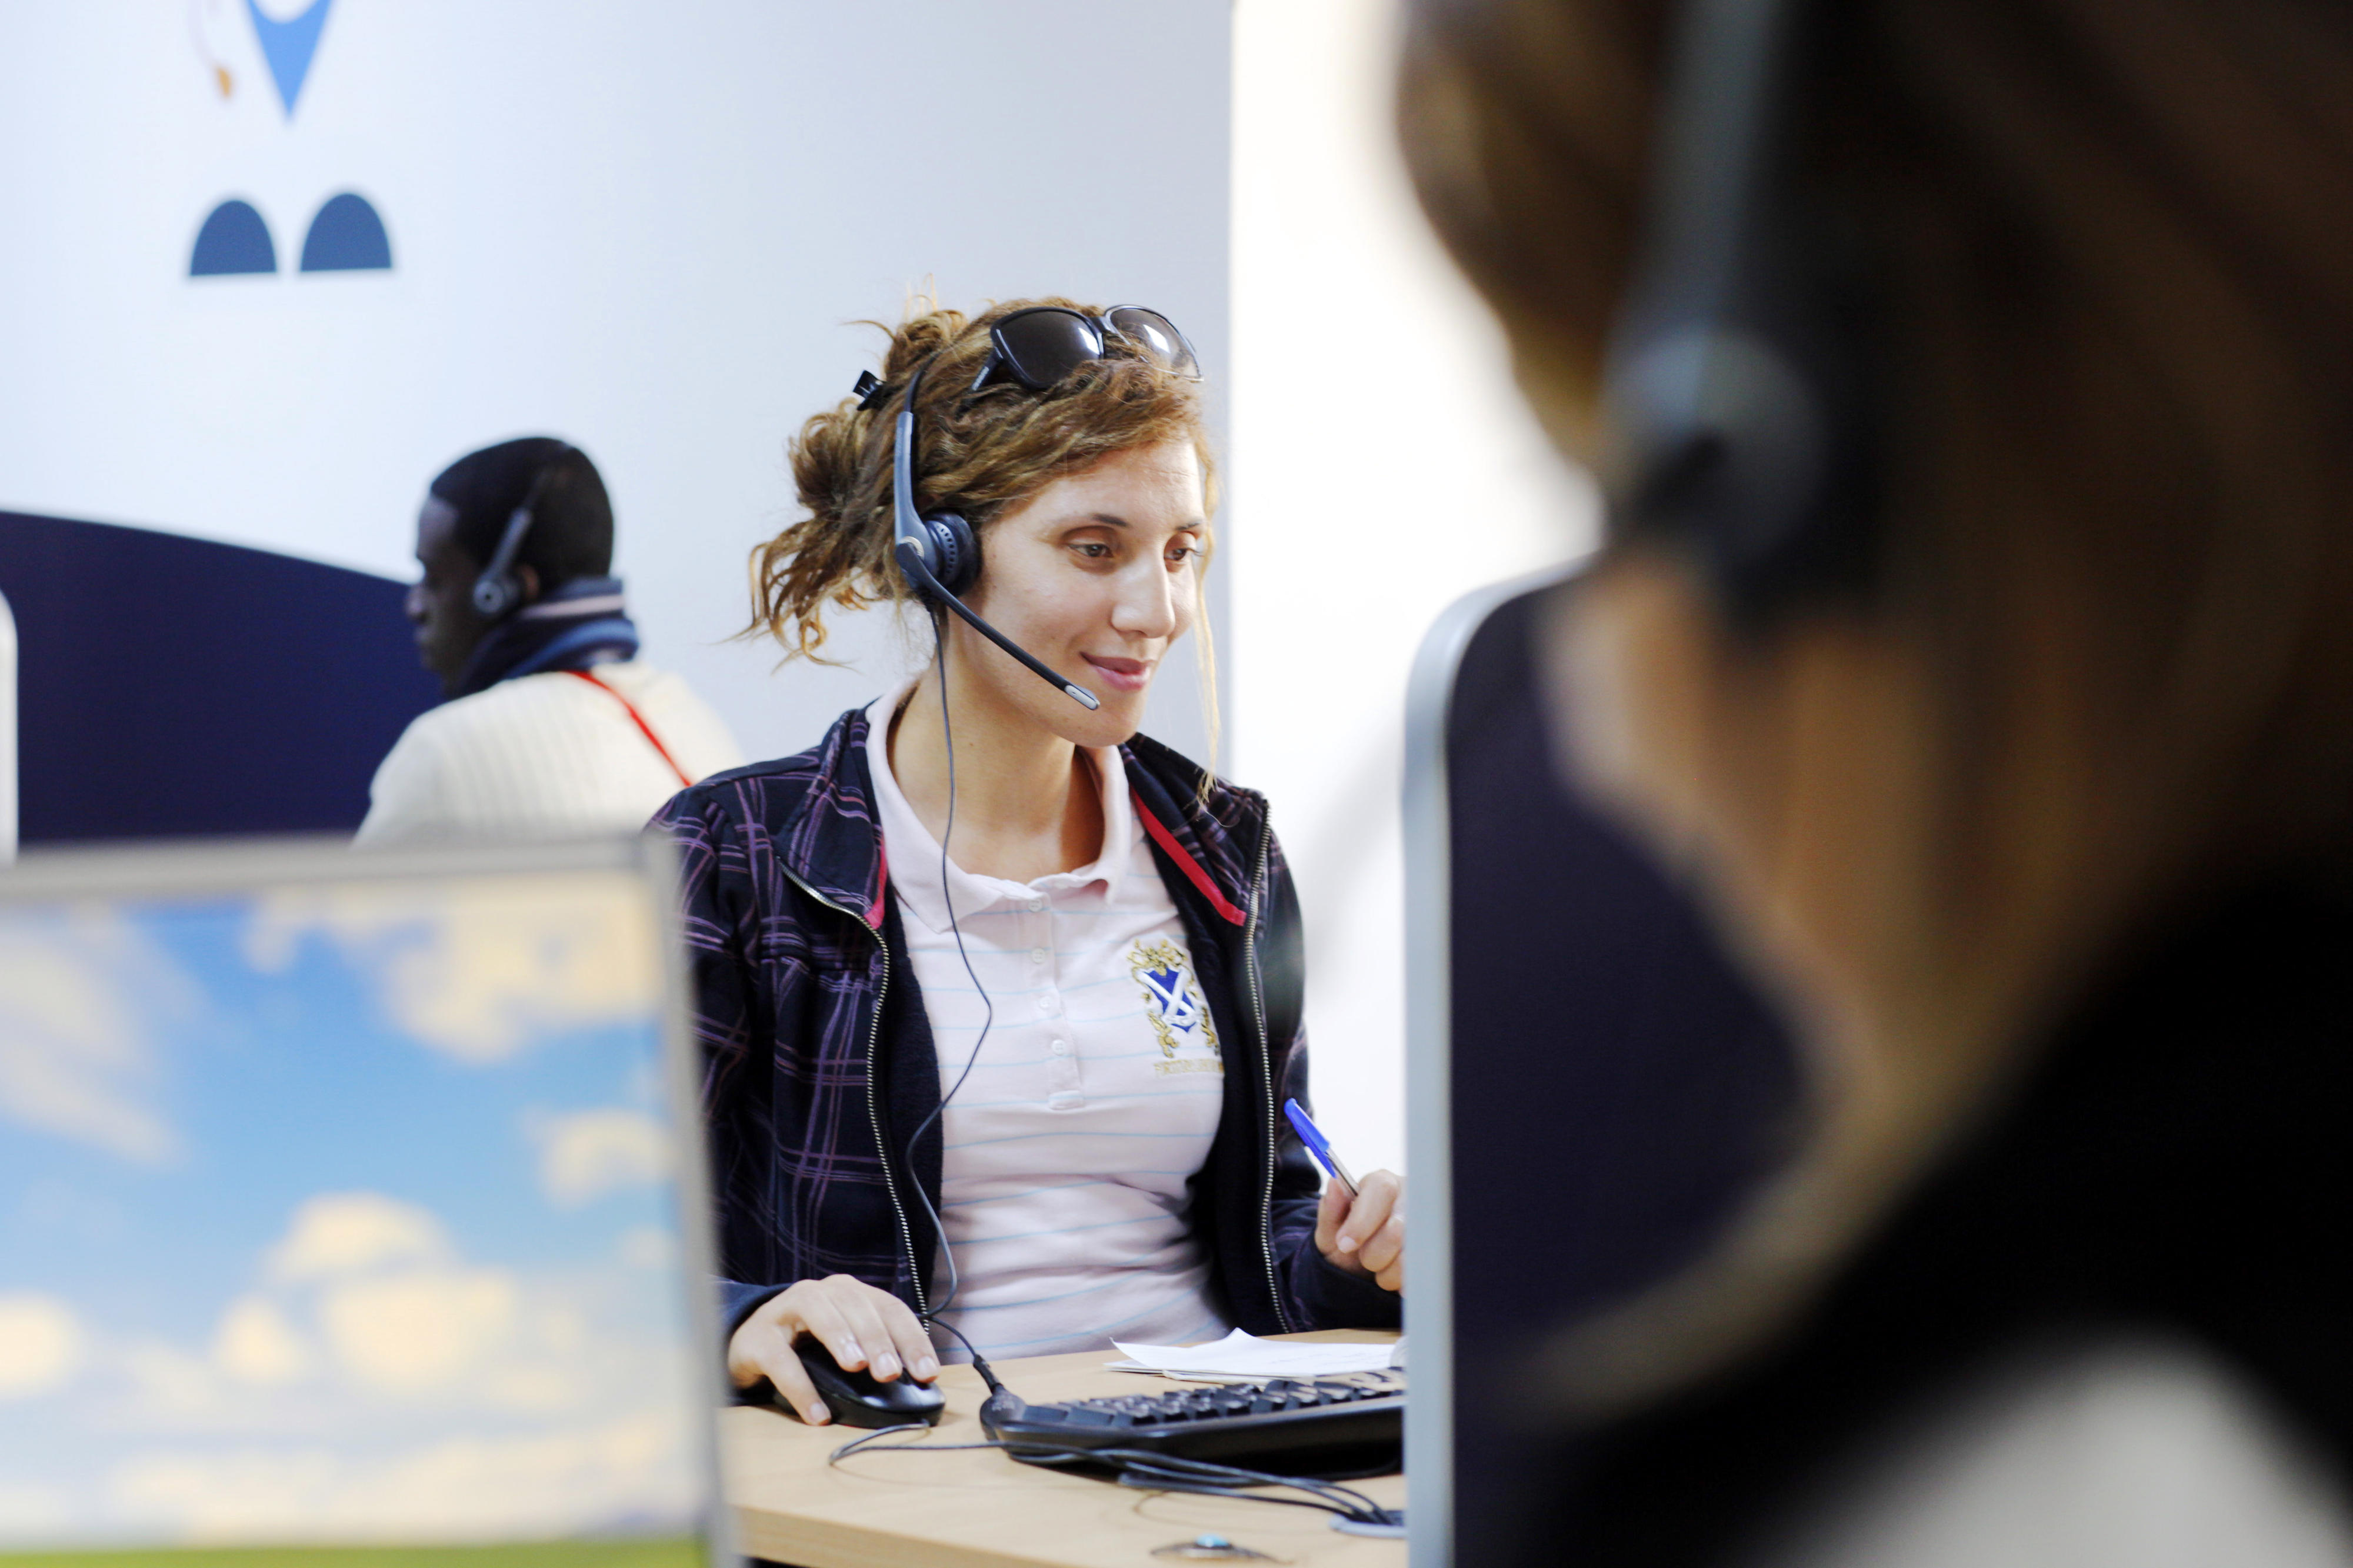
860, 1399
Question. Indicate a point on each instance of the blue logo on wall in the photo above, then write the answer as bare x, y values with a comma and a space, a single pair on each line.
346, 233
346, 236
289, 47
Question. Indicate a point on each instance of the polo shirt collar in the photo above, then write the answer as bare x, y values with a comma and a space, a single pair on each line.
915, 853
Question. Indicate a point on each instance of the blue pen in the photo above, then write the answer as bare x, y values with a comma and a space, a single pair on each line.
1318, 1145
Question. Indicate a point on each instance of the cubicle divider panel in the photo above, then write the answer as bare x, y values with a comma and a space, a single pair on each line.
170, 686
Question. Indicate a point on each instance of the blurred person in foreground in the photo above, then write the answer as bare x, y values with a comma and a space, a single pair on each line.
553, 727
2036, 819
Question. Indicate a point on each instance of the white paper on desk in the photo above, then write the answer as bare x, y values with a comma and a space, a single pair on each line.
1246, 1355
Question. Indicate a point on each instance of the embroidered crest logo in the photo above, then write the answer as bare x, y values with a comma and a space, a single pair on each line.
1172, 999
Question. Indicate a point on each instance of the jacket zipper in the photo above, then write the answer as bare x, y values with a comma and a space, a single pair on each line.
874, 1106
1266, 1077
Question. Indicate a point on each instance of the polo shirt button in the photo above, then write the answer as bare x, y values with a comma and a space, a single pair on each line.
1061, 1048
1045, 1001
1038, 956
1037, 906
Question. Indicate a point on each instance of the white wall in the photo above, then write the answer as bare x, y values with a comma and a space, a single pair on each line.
1382, 465
644, 227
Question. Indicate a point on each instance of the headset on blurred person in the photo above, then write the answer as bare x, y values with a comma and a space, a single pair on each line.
498, 592
1736, 384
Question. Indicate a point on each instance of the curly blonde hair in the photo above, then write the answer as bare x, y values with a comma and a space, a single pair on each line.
980, 454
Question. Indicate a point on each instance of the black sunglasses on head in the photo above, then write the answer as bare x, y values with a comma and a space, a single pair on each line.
1039, 346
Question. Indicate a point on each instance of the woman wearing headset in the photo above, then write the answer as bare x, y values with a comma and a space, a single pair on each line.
2020, 765
999, 999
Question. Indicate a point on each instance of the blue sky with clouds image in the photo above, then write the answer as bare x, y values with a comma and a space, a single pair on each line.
340, 1213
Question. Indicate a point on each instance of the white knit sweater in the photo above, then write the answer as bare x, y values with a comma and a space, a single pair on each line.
543, 756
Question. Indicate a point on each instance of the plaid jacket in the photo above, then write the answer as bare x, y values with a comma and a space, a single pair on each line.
818, 1058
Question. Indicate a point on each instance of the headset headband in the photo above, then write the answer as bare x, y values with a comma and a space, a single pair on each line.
1734, 390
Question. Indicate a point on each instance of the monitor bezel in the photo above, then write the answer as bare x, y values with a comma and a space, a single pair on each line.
191, 869
1429, 1076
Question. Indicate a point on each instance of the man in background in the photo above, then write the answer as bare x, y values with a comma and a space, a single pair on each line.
553, 726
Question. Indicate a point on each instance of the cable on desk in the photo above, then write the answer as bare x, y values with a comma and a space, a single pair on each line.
1172, 1472
1144, 1469
858, 1445
1139, 1467
931, 1322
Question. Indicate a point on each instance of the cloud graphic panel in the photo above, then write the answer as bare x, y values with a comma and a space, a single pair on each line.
326, 1217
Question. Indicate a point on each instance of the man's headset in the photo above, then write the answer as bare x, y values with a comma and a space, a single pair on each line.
497, 590
1736, 384
939, 555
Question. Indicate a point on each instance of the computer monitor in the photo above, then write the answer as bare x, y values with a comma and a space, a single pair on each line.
351, 1204
1592, 1085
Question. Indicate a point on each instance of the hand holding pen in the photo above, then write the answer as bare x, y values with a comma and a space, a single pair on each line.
1360, 1226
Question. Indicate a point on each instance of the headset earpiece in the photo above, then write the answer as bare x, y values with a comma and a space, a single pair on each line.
497, 590
494, 597
1738, 446
953, 552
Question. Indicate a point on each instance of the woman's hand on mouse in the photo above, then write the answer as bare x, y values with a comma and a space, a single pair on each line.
863, 1327
1365, 1235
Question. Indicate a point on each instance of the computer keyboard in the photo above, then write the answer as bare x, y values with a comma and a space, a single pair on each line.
1354, 1424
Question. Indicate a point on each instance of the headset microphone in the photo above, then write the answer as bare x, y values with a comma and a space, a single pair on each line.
940, 556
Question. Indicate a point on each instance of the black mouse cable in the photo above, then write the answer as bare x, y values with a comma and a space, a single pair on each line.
1000, 1396
1153, 1470
1146, 1470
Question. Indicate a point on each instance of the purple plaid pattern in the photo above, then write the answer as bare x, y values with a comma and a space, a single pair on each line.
786, 990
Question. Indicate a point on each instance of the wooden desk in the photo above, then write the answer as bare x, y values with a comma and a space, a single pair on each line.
980, 1510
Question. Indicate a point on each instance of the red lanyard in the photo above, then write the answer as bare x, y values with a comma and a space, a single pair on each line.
643, 727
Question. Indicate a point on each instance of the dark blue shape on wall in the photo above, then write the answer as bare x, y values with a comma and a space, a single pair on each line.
170, 686
233, 241
346, 236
